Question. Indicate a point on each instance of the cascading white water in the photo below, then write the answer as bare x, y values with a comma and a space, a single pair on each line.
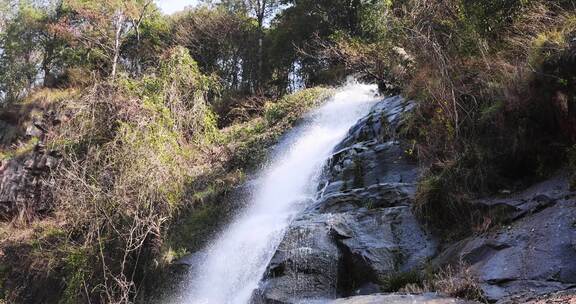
237, 260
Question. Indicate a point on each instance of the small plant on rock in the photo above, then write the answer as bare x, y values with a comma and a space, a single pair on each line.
456, 281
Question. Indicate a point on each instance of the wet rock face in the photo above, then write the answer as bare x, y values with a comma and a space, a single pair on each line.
360, 233
534, 254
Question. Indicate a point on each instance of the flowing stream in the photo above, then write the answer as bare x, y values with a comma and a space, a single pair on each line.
236, 261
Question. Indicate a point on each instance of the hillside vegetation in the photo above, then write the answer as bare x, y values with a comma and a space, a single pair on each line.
122, 130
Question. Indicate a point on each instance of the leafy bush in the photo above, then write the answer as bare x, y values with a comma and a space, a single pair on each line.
493, 83
291, 107
144, 170
129, 151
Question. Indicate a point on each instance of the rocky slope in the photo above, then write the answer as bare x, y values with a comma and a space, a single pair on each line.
534, 253
360, 236
24, 190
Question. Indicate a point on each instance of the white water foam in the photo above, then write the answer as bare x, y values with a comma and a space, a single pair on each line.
237, 259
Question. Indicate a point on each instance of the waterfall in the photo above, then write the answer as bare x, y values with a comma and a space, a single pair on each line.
236, 261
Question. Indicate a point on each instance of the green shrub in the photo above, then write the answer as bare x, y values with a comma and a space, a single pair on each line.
395, 282
443, 202
251, 140
290, 108
77, 274
130, 155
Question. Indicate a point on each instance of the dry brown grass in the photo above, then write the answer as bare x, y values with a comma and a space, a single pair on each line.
488, 116
455, 281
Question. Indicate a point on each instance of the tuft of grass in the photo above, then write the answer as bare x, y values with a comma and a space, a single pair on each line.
76, 267
172, 255
45, 96
22, 149
548, 44
26, 147
5, 155
398, 281
456, 281
443, 204
196, 226
289, 109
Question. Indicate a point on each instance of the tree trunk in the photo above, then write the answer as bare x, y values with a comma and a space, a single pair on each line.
136, 25
119, 26
260, 59
261, 14
49, 79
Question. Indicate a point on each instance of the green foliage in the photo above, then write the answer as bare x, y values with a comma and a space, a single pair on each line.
222, 42
172, 255
106, 30
291, 107
493, 96
178, 93
19, 41
144, 46
490, 17
251, 140
194, 229
549, 43
77, 273
298, 33
136, 150
442, 201
395, 282
130, 151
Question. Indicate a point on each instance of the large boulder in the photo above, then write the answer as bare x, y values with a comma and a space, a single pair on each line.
332, 255
534, 253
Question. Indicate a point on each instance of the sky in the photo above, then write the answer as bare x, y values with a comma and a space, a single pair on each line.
172, 6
